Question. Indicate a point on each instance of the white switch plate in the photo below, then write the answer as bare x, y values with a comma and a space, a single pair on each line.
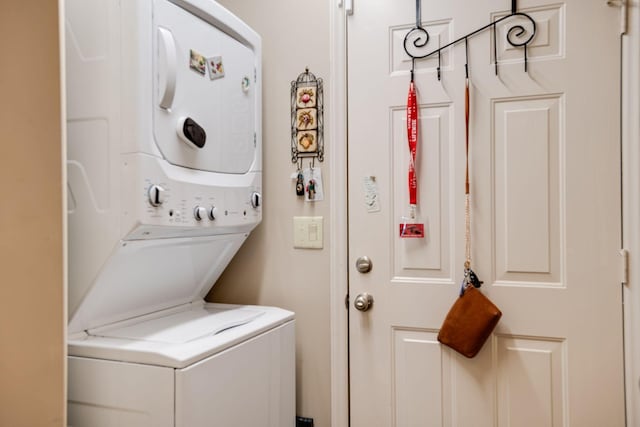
307, 232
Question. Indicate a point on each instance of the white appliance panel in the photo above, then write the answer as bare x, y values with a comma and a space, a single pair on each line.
143, 276
225, 107
183, 190
104, 393
250, 385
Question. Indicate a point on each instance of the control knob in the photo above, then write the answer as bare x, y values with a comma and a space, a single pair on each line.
200, 213
256, 200
156, 195
213, 212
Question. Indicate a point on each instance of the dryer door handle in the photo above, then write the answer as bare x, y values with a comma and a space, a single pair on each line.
167, 48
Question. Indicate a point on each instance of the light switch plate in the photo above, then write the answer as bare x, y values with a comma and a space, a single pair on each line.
307, 232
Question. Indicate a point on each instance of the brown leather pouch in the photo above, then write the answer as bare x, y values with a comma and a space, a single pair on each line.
469, 322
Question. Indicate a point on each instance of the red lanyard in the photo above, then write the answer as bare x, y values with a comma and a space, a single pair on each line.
412, 134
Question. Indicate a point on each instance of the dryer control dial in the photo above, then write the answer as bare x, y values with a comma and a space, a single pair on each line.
156, 195
256, 200
200, 213
213, 213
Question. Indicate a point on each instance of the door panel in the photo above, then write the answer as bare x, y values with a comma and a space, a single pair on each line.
545, 217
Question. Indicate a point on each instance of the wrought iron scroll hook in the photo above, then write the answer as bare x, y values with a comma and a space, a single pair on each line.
418, 36
518, 31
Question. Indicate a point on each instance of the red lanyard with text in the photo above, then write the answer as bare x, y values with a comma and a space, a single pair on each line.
412, 135
409, 226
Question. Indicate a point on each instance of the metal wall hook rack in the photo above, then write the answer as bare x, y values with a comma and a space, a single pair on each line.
516, 37
307, 121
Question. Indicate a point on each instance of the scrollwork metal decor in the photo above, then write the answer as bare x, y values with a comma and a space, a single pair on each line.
307, 122
517, 36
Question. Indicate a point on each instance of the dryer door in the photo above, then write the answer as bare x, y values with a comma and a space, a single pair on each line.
204, 93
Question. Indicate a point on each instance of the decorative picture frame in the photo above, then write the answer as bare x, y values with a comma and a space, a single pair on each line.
307, 122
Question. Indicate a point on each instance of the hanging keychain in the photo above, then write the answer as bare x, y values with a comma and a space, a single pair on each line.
313, 183
470, 277
311, 189
409, 226
300, 182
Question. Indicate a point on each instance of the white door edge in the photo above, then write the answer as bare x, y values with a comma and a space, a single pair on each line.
631, 209
338, 225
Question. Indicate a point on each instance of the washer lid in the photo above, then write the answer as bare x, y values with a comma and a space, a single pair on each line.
146, 276
208, 329
184, 326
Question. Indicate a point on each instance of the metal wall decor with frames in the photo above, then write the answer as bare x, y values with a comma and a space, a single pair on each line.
517, 36
307, 123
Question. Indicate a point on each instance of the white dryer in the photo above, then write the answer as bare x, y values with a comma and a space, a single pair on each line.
164, 183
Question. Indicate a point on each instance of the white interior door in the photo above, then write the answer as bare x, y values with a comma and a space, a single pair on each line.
545, 184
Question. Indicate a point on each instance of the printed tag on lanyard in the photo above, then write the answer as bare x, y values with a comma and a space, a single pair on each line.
408, 230
409, 227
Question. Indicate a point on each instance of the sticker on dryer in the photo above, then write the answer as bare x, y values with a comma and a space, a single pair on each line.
197, 62
216, 69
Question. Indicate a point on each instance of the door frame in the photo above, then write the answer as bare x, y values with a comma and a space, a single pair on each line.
338, 229
338, 119
630, 110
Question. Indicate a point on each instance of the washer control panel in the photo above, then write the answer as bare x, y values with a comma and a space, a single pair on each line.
198, 209
162, 200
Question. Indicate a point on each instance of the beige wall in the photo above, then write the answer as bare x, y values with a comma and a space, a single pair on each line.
267, 270
31, 294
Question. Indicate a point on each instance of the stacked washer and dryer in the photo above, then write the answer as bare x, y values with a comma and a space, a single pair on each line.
164, 182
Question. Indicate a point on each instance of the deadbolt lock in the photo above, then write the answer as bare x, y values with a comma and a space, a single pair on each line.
363, 264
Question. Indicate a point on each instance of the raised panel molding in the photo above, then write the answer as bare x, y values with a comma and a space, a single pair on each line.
421, 379
549, 41
528, 146
531, 381
429, 257
526, 188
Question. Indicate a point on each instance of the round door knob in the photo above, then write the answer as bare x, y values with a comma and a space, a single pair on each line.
200, 213
156, 195
363, 264
363, 302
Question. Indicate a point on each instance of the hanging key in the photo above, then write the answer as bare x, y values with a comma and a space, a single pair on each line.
300, 184
473, 279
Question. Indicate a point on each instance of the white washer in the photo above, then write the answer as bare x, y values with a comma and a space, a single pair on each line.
173, 369
164, 177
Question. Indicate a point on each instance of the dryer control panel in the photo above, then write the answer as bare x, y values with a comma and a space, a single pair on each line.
171, 201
